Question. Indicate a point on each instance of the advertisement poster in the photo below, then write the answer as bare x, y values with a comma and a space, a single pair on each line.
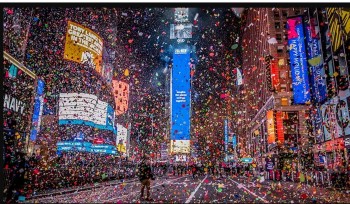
316, 118
180, 100
121, 95
122, 138
83, 46
38, 110
85, 109
342, 110
317, 79
298, 61
271, 137
330, 125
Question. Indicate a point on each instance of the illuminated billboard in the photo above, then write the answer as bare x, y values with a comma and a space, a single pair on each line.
83, 45
85, 109
38, 109
271, 135
66, 146
180, 146
317, 79
122, 138
298, 61
339, 23
180, 98
121, 95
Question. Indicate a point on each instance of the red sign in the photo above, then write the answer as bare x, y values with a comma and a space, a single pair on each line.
337, 144
275, 79
98, 141
279, 124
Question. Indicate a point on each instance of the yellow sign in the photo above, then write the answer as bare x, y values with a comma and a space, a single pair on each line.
180, 146
83, 45
339, 24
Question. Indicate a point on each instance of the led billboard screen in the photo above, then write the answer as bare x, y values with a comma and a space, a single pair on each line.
38, 109
121, 95
298, 61
85, 109
317, 79
180, 97
83, 45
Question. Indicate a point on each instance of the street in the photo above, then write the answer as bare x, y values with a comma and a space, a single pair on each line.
204, 189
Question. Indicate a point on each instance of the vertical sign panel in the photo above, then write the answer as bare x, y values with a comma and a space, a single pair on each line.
298, 63
317, 79
271, 137
279, 122
180, 100
226, 134
38, 109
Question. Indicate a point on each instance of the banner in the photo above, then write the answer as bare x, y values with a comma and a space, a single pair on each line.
85, 109
298, 62
271, 136
38, 110
122, 138
83, 46
121, 95
180, 100
315, 60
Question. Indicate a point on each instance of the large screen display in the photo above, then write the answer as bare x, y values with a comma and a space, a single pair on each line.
317, 79
122, 138
83, 45
180, 97
121, 95
271, 135
65, 146
298, 62
38, 109
85, 109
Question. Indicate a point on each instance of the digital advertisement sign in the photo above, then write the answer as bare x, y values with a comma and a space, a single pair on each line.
38, 109
85, 109
180, 97
122, 138
279, 124
121, 95
85, 147
271, 135
338, 26
298, 61
226, 133
317, 79
83, 45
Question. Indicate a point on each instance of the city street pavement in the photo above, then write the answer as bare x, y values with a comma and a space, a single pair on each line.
205, 189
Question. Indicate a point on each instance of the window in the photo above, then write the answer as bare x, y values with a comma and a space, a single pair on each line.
280, 49
284, 13
278, 37
284, 101
277, 25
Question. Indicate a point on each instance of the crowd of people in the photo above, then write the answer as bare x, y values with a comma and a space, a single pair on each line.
70, 169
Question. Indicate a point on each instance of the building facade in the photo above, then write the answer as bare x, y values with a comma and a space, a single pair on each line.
273, 123
304, 126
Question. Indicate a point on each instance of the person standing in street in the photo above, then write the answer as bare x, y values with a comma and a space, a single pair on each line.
145, 175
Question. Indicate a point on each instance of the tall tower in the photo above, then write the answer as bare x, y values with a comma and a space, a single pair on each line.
180, 84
